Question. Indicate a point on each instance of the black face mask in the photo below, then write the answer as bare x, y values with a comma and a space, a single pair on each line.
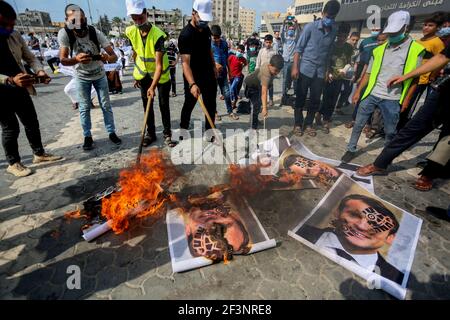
82, 30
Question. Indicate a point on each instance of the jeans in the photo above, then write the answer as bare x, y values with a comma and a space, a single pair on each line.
235, 88
254, 95
417, 128
163, 97
315, 85
225, 89
209, 94
17, 103
173, 79
330, 97
287, 79
390, 109
84, 98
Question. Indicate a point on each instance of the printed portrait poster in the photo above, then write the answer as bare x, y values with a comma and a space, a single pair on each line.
364, 234
347, 168
213, 230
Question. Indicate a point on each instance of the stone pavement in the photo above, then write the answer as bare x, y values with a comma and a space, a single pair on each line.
38, 244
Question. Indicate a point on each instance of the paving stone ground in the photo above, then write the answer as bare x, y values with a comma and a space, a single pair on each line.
38, 244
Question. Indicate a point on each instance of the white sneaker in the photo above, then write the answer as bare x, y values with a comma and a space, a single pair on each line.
19, 170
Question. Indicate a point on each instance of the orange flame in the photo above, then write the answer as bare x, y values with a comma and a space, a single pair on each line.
142, 192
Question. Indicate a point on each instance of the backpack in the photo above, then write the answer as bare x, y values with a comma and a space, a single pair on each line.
73, 38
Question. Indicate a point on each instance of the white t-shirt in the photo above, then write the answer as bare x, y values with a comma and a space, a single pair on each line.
89, 71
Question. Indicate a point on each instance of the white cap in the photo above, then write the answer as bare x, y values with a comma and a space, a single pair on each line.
204, 9
135, 7
397, 21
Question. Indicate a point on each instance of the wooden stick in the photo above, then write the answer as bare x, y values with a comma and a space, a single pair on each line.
144, 127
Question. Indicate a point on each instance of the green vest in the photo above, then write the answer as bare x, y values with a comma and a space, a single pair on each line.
146, 56
414, 52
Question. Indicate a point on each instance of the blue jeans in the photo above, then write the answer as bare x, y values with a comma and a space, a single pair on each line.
84, 97
390, 109
287, 79
236, 84
225, 89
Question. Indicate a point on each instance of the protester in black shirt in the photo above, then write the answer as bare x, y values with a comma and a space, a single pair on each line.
172, 53
199, 69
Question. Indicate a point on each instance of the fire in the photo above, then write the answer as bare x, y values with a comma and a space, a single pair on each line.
141, 193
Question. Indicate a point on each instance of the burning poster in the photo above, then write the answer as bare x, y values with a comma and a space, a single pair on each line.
330, 168
363, 233
211, 229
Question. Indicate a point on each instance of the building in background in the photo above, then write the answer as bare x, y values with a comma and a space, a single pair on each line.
171, 21
275, 19
247, 20
226, 14
35, 21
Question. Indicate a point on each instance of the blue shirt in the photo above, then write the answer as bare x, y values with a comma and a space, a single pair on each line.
366, 48
289, 44
314, 46
220, 53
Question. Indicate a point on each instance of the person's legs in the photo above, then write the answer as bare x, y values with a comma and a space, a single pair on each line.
145, 85
316, 88
417, 128
287, 79
84, 101
188, 106
101, 86
390, 109
173, 80
225, 88
365, 110
164, 107
330, 96
406, 115
233, 89
345, 93
71, 91
254, 96
209, 94
10, 128
303, 84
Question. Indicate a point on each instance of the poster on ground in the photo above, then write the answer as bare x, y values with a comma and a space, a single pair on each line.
213, 229
363, 233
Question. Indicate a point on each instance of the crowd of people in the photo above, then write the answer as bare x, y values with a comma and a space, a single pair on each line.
326, 64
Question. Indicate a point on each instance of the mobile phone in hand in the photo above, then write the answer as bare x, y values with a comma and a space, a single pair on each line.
39, 79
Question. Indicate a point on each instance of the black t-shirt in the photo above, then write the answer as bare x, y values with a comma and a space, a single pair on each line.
446, 51
159, 45
8, 65
198, 45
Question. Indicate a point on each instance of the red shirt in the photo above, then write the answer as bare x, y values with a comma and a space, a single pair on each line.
236, 65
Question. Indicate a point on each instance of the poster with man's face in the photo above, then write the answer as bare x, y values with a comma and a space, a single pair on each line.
363, 233
213, 229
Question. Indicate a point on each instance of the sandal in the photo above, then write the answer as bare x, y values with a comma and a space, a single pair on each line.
233, 116
371, 134
169, 142
310, 132
367, 129
297, 131
370, 170
350, 124
218, 118
326, 127
424, 184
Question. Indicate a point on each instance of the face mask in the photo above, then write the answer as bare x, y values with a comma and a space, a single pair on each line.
252, 49
291, 33
328, 22
5, 32
202, 24
375, 33
397, 39
239, 54
444, 32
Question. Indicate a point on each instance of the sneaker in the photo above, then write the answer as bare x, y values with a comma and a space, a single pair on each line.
348, 156
233, 116
19, 170
88, 144
115, 139
46, 157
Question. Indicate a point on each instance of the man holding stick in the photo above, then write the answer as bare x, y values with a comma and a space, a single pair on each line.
199, 69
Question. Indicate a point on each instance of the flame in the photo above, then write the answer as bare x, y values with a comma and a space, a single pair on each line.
77, 214
142, 192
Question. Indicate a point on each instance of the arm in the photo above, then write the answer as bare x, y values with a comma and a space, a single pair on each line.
79, 58
187, 71
264, 91
364, 82
29, 57
217, 67
157, 74
258, 60
410, 94
435, 63
301, 45
110, 57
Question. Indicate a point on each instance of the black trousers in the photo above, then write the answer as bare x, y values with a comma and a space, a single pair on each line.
254, 95
406, 115
209, 93
330, 98
163, 97
52, 61
345, 93
315, 85
17, 103
417, 128
173, 79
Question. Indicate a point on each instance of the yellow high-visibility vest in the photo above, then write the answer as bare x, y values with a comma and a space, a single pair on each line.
146, 56
414, 52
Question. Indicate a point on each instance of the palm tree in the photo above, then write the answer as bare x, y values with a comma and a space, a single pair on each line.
227, 26
117, 22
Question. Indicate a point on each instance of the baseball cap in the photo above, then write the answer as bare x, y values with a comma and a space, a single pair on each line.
397, 21
135, 6
204, 9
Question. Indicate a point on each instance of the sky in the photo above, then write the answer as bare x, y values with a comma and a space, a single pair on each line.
114, 8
